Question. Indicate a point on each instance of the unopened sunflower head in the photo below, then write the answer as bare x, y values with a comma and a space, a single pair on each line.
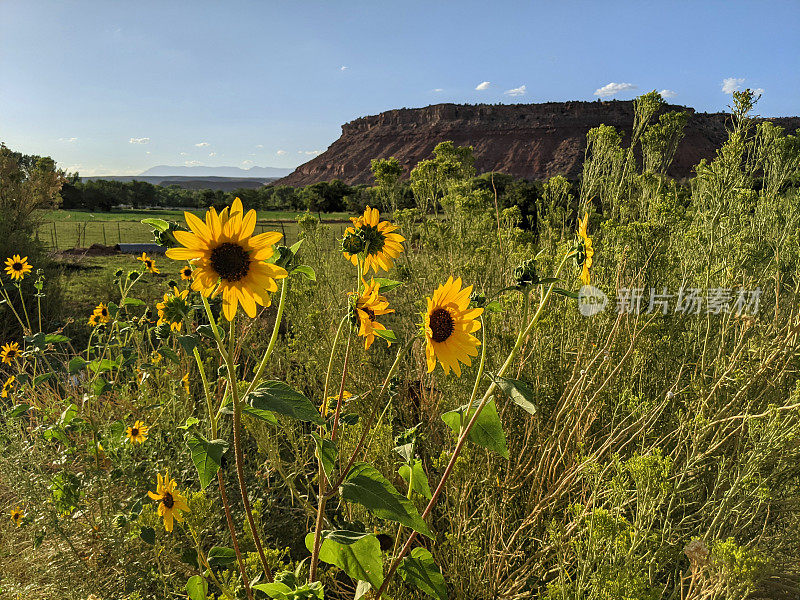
17, 267
583, 250
368, 306
228, 259
170, 502
174, 308
375, 240
448, 325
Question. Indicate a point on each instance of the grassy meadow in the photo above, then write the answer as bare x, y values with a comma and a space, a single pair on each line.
426, 405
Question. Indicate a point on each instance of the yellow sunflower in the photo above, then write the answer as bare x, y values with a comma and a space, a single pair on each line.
149, 263
373, 238
138, 433
9, 352
17, 515
170, 502
101, 315
186, 273
173, 308
584, 250
229, 259
449, 324
17, 267
93, 322
9, 383
185, 383
370, 305
332, 400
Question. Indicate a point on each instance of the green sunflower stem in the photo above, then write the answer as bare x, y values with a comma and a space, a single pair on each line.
322, 476
237, 446
479, 375
463, 437
204, 561
271, 346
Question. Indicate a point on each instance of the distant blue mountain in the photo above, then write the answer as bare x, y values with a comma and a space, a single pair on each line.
200, 171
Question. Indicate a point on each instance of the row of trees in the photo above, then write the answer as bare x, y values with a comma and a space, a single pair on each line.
428, 183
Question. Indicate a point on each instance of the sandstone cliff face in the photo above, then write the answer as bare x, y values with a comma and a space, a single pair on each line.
534, 141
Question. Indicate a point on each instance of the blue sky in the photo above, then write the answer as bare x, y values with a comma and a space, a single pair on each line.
112, 87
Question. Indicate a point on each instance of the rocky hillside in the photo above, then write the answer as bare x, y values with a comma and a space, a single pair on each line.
535, 141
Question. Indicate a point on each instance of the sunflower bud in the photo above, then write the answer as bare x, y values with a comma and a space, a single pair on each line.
285, 257
354, 242
119, 273
525, 274
120, 521
134, 275
477, 299
172, 284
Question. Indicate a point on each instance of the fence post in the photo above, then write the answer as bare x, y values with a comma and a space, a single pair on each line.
105, 243
55, 235
119, 234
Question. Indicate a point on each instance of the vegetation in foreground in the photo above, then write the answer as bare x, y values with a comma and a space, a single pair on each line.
423, 409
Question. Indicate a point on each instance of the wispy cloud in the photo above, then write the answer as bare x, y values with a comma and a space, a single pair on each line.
438, 90
247, 162
259, 145
484, 85
309, 152
732, 84
519, 91
343, 68
192, 163
202, 145
758, 91
68, 140
668, 93
144, 140
212, 153
281, 152
182, 153
612, 89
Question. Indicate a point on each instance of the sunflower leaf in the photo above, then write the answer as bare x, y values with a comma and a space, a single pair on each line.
419, 569
219, 556
365, 485
519, 392
158, 224
487, 431
197, 588
76, 364
206, 455
416, 478
305, 271
567, 293
387, 285
386, 334
277, 397
188, 342
356, 553
170, 354
326, 449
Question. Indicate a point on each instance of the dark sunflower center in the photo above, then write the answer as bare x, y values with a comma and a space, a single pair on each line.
134, 432
374, 239
148, 264
370, 313
17, 266
187, 272
442, 324
104, 312
230, 261
167, 500
11, 353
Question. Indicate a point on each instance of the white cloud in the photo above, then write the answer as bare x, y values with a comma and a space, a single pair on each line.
437, 90
259, 145
202, 145
484, 85
281, 152
182, 153
212, 153
148, 152
144, 140
192, 163
343, 68
758, 91
668, 93
732, 84
520, 91
612, 89
309, 152
247, 162
69, 140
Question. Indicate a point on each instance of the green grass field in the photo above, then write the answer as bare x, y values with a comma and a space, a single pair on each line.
66, 229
